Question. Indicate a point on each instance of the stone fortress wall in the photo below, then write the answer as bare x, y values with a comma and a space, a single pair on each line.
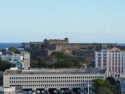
46, 47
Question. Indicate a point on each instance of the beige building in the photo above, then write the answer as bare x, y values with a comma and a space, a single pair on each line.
52, 78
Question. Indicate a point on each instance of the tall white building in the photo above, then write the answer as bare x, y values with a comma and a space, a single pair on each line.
52, 78
111, 59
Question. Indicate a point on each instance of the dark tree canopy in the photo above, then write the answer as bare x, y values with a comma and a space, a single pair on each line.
104, 90
15, 50
63, 61
4, 65
42, 63
101, 85
33, 64
111, 80
58, 54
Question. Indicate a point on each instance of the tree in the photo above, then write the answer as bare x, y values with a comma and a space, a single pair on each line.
76, 62
58, 54
1, 81
33, 64
111, 80
101, 85
97, 83
4, 65
104, 90
42, 63
64, 61
15, 50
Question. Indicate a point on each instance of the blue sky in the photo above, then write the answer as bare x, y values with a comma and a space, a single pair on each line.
79, 20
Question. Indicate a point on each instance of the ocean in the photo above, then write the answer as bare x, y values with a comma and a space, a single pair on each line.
7, 45
121, 44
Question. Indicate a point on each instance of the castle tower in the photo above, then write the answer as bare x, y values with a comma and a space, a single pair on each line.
66, 39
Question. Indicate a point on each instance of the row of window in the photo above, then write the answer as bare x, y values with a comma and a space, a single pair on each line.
85, 77
52, 85
64, 81
113, 54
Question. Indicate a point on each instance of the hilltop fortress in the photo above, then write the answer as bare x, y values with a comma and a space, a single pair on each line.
45, 48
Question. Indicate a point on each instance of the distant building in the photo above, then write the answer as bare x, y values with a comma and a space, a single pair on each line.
111, 59
56, 41
12, 90
1, 53
21, 49
17, 60
7, 90
52, 78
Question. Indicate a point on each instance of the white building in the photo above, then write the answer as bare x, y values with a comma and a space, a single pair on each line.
7, 90
12, 90
16, 60
1, 53
113, 60
52, 78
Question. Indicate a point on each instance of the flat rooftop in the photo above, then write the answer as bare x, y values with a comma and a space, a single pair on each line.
55, 71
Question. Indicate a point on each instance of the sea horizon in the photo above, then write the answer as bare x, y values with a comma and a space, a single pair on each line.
7, 45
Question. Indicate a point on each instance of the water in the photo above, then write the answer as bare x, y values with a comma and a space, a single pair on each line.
121, 44
7, 45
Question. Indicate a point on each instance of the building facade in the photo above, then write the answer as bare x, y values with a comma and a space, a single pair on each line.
113, 60
52, 78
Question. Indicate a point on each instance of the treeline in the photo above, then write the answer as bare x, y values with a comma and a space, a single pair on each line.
62, 61
15, 50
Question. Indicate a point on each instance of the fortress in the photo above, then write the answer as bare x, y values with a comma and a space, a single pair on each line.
45, 48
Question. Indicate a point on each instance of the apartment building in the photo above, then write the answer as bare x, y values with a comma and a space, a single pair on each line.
111, 59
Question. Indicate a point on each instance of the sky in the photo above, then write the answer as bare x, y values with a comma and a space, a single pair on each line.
83, 21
